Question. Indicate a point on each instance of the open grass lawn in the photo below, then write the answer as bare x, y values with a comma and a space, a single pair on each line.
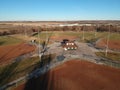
111, 55
114, 36
18, 69
88, 36
7, 40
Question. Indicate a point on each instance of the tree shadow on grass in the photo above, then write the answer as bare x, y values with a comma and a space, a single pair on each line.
42, 81
2, 43
7, 72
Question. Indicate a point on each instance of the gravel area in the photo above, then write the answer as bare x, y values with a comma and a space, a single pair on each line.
84, 51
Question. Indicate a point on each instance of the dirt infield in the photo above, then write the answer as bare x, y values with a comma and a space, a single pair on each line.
113, 44
7, 53
76, 75
60, 38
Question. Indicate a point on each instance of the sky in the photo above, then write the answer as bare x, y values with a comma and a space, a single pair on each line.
59, 10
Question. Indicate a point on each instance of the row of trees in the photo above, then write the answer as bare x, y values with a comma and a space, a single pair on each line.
32, 29
100, 28
18, 30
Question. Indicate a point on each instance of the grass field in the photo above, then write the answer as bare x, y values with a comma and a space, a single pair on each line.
114, 36
7, 40
88, 36
111, 55
112, 58
15, 70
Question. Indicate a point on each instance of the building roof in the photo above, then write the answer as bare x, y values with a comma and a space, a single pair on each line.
69, 45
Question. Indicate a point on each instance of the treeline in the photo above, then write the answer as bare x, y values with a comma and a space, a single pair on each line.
30, 30
105, 28
18, 30
100, 28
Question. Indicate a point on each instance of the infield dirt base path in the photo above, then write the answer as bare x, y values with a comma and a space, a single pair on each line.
76, 75
10, 52
113, 44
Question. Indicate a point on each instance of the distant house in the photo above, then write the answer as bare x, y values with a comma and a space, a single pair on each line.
69, 45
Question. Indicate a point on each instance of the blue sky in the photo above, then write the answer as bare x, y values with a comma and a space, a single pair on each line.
47, 10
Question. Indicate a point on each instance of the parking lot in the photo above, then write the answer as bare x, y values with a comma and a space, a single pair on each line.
84, 51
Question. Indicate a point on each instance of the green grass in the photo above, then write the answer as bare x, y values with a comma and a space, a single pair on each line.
111, 55
15, 70
89, 37
7, 40
114, 36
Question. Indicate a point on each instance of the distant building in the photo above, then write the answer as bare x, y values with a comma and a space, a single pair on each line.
69, 45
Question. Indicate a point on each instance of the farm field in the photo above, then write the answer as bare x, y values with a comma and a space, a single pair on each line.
76, 75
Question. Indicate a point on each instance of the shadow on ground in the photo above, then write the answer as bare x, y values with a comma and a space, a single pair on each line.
7, 72
41, 82
38, 80
2, 42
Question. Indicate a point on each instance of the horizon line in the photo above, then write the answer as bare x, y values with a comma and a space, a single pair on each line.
55, 20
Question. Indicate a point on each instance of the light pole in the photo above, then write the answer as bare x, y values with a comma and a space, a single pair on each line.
25, 32
46, 36
83, 32
39, 53
46, 42
108, 37
95, 31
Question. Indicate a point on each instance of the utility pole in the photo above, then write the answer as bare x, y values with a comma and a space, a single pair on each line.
39, 53
117, 31
96, 26
108, 37
25, 33
83, 32
46, 38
